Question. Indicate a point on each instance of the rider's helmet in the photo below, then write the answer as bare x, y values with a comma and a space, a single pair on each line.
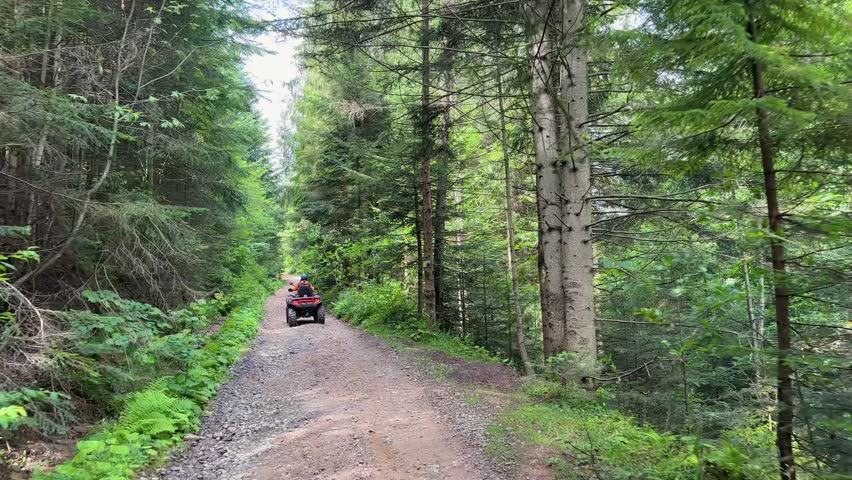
304, 277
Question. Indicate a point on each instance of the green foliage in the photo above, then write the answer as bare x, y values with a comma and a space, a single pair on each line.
593, 440
152, 422
12, 416
45, 411
156, 419
388, 303
190, 160
387, 310
133, 159
6, 268
15, 231
155, 369
566, 367
126, 344
156, 413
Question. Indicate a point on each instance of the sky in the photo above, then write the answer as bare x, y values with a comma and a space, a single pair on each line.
272, 72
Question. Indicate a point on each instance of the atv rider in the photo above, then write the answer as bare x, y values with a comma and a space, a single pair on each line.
304, 287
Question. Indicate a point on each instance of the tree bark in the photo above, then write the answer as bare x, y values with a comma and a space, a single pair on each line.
761, 312
786, 405
548, 187
520, 329
45, 55
441, 191
457, 198
576, 173
418, 235
426, 174
441, 318
752, 319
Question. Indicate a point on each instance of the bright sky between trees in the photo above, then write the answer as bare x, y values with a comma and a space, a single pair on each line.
273, 73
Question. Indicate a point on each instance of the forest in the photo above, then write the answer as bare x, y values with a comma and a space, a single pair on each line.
648, 198
139, 225
642, 206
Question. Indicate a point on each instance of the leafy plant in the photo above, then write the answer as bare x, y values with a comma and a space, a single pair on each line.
386, 309
46, 411
12, 416
6, 267
155, 419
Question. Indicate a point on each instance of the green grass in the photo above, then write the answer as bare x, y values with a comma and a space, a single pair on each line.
455, 347
499, 442
588, 440
601, 440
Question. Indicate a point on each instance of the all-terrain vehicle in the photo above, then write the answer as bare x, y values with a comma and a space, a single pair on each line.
300, 308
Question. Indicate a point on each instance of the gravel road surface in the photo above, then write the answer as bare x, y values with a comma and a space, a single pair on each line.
332, 402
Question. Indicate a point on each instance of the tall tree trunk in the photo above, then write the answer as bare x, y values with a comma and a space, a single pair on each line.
576, 173
418, 234
441, 318
45, 55
520, 329
761, 312
57, 59
462, 294
786, 405
539, 13
752, 318
441, 190
485, 307
150, 177
426, 173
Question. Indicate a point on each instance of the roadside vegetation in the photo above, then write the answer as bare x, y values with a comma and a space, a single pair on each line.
586, 437
138, 228
387, 310
155, 419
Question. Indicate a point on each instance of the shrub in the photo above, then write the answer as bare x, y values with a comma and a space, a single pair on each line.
12, 416
386, 303
387, 310
156, 419
595, 441
603, 443
119, 346
45, 411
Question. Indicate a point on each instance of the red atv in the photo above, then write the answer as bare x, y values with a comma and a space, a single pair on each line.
299, 308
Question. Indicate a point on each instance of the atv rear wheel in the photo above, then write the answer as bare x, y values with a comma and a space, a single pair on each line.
292, 318
320, 315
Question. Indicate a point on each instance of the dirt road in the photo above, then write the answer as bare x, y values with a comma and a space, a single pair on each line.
331, 402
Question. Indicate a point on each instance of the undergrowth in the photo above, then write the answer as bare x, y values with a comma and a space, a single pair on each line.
155, 420
387, 310
589, 439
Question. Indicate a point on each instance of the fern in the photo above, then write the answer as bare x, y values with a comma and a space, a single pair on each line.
154, 412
